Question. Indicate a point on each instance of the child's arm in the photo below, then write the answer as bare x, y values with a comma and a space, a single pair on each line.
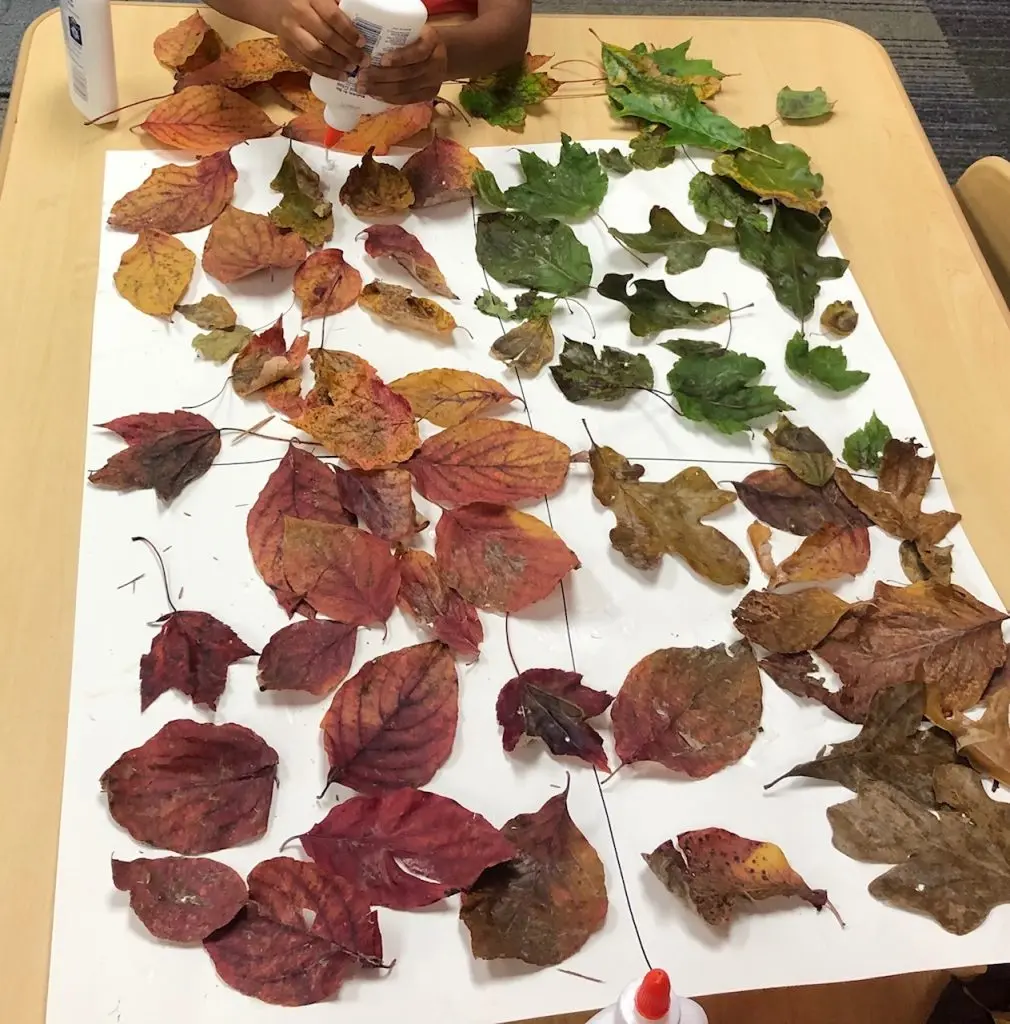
496, 38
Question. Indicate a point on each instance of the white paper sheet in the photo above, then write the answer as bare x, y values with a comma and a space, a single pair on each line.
104, 964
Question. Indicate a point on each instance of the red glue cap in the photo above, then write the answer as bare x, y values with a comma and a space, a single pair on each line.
331, 137
652, 1000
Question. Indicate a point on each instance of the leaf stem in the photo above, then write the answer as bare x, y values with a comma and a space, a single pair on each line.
127, 106
161, 566
626, 248
508, 644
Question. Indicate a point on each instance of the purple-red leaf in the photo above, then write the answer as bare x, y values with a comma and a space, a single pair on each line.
382, 500
313, 656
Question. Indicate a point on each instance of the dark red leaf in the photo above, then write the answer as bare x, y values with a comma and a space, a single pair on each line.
313, 656
382, 500
784, 501
405, 848
194, 787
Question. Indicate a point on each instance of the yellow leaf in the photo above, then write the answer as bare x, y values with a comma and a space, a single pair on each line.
448, 397
400, 307
155, 273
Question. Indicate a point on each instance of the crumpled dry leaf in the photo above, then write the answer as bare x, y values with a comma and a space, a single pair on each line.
788, 623
240, 243
919, 561
211, 313
325, 284
376, 190
440, 173
528, 347
188, 46
155, 273
426, 597
984, 741
244, 64
839, 318
783, 501
802, 451
265, 360
205, 119
654, 519
303, 209
447, 397
311, 657
693, 709
390, 241
830, 553
402, 308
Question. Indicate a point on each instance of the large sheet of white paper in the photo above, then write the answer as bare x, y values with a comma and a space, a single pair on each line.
106, 967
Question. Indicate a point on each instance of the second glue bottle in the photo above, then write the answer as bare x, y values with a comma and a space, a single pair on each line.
384, 25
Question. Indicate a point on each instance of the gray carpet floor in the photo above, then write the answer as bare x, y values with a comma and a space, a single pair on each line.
952, 55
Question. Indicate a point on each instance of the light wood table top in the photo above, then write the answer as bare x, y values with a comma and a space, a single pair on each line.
895, 218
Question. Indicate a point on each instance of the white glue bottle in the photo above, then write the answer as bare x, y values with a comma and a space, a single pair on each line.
650, 1001
384, 25
91, 59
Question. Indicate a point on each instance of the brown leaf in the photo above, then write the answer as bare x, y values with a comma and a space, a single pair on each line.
294, 87
155, 273
449, 397
788, 623
401, 308
828, 554
177, 198
783, 501
760, 537
205, 119
194, 787
382, 500
984, 741
325, 284
180, 899
802, 451
246, 63
264, 360
240, 243
312, 657
839, 318
498, 558
654, 519
426, 597
714, 870
926, 562
528, 347
693, 709
190, 45
376, 190
797, 674
390, 241
393, 724
442, 172
211, 313
542, 906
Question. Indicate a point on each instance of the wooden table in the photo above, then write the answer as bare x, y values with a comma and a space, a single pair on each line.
895, 218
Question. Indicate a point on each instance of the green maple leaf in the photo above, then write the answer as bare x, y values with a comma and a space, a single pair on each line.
787, 255
650, 148
529, 306
864, 448
581, 374
654, 309
718, 388
684, 249
721, 199
825, 364
303, 208
666, 68
615, 161
796, 105
773, 170
674, 61
502, 99
545, 255
488, 190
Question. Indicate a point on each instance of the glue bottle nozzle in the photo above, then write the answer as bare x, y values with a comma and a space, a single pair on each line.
652, 1000
331, 137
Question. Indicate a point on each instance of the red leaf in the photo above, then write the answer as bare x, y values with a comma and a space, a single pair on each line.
166, 451
341, 571
405, 849
425, 596
180, 899
191, 654
394, 723
498, 558
194, 787
442, 172
206, 119
390, 241
311, 656
265, 360
301, 487
241, 243
553, 705
326, 284
272, 952
382, 500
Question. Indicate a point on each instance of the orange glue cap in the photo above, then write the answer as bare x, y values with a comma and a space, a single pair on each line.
652, 1000
331, 137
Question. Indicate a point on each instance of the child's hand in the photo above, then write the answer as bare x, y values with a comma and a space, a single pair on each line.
411, 74
319, 35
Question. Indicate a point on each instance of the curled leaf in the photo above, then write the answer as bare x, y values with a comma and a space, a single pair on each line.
402, 308
827, 554
240, 243
390, 241
528, 347
205, 119
440, 173
190, 45
651, 148
325, 284
155, 272
788, 623
448, 397
311, 657
615, 161
839, 318
382, 500
654, 309
380, 132
921, 561
527, 306
376, 190
722, 199
984, 741
426, 597
265, 360
582, 375
303, 208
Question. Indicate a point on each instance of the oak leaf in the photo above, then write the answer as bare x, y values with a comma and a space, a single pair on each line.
390, 241
382, 500
495, 461
155, 272
176, 198
405, 848
542, 906
303, 209
654, 519
312, 657
528, 347
426, 597
693, 709
715, 869
802, 105
211, 313
582, 375
165, 452
839, 318
684, 249
220, 345
188, 46
402, 308
503, 99
554, 706
376, 190
828, 554
654, 309
244, 64
440, 173
783, 501
800, 450
325, 284
498, 558
788, 623
241, 243
449, 397
205, 119
193, 787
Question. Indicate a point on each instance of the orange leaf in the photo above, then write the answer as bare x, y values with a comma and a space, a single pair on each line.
241, 243
381, 131
442, 172
400, 307
392, 241
831, 552
495, 461
344, 573
326, 285
248, 62
188, 46
294, 87
155, 273
308, 127
355, 415
376, 190
498, 558
175, 198
264, 360
760, 537
448, 397
205, 119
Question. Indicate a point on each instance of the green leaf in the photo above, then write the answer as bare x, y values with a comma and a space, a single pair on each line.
717, 388
864, 448
220, 345
529, 306
574, 187
667, 68
503, 98
518, 249
683, 248
615, 161
581, 374
787, 255
716, 198
650, 148
774, 170
674, 61
825, 364
488, 190
692, 347
303, 208
795, 105
654, 309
